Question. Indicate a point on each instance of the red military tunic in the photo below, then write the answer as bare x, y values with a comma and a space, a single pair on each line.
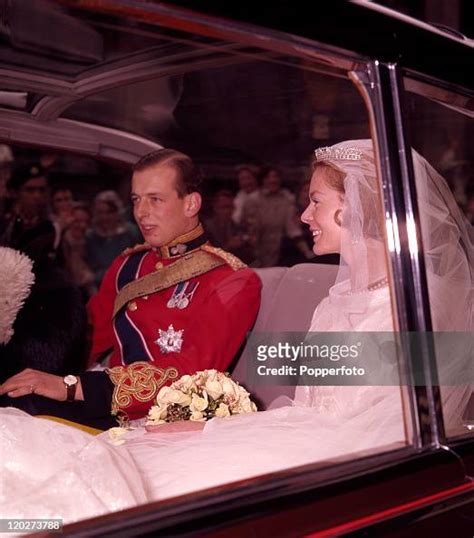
222, 307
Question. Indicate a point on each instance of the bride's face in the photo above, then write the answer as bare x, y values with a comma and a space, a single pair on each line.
324, 209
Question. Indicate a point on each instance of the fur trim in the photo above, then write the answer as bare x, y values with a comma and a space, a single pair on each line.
16, 279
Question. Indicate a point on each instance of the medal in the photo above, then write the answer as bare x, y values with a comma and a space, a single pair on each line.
180, 299
183, 303
170, 340
177, 294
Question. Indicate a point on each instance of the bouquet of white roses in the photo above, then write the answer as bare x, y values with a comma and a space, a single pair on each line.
200, 397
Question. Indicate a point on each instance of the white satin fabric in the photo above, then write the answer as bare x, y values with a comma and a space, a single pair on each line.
367, 311
50, 470
246, 446
53, 470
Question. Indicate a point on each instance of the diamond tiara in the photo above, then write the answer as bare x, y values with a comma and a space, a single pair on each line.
338, 154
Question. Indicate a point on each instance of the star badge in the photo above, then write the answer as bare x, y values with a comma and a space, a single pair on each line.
170, 340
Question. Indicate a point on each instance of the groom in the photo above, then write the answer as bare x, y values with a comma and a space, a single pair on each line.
169, 307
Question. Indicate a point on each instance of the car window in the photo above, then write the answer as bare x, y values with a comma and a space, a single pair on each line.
441, 129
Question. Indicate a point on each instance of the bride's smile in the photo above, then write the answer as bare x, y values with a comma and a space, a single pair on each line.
323, 211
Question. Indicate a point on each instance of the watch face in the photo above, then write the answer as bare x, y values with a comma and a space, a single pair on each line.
70, 380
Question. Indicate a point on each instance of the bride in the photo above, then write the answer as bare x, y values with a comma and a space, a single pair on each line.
322, 424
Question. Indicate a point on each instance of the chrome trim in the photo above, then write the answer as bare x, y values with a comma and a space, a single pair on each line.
440, 91
382, 87
75, 136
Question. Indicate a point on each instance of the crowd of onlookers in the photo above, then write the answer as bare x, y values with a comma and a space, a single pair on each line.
260, 223
257, 219
46, 222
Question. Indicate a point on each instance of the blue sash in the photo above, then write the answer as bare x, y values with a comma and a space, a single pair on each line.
131, 340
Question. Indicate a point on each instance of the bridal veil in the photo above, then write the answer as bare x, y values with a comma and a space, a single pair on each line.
360, 299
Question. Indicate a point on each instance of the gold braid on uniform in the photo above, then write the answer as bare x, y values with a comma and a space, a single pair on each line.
231, 260
140, 247
139, 381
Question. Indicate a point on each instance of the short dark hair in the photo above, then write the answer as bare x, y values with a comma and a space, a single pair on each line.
252, 168
223, 193
189, 177
266, 169
23, 173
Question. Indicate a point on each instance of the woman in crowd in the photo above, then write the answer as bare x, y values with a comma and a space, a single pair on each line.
269, 215
110, 234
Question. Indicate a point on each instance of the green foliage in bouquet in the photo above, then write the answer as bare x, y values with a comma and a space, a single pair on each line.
200, 397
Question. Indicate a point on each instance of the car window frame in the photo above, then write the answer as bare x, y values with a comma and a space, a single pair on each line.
387, 95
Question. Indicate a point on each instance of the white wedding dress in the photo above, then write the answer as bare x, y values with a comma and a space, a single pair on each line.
52, 470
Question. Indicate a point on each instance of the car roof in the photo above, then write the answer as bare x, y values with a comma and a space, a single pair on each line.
58, 69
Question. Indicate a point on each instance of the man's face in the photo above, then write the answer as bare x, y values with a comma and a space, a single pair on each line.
247, 181
33, 196
62, 201
272, 181
80, 223
160, 213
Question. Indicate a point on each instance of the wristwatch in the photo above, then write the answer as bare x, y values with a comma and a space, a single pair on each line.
71, 384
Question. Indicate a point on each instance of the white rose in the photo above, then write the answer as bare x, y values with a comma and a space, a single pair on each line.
242, 393
197, 416
157, 412
174, 396
162, 394
115, 435
222, 411
185, 384
244, 405
199, 378
214, 388
230, 388
198, 403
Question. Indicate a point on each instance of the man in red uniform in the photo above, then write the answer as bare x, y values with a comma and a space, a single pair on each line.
170, 307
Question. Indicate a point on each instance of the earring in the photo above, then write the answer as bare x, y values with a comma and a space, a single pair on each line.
337, 217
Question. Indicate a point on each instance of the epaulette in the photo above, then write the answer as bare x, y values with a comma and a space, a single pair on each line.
137, 248
231, 260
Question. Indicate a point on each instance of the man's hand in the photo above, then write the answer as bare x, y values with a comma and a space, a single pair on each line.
35, 382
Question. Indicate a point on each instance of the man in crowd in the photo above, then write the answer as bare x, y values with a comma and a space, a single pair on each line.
224, 232
247, 177
170, 307
27, 227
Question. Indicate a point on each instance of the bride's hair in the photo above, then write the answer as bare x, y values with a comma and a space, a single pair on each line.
334, 178
368, 191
